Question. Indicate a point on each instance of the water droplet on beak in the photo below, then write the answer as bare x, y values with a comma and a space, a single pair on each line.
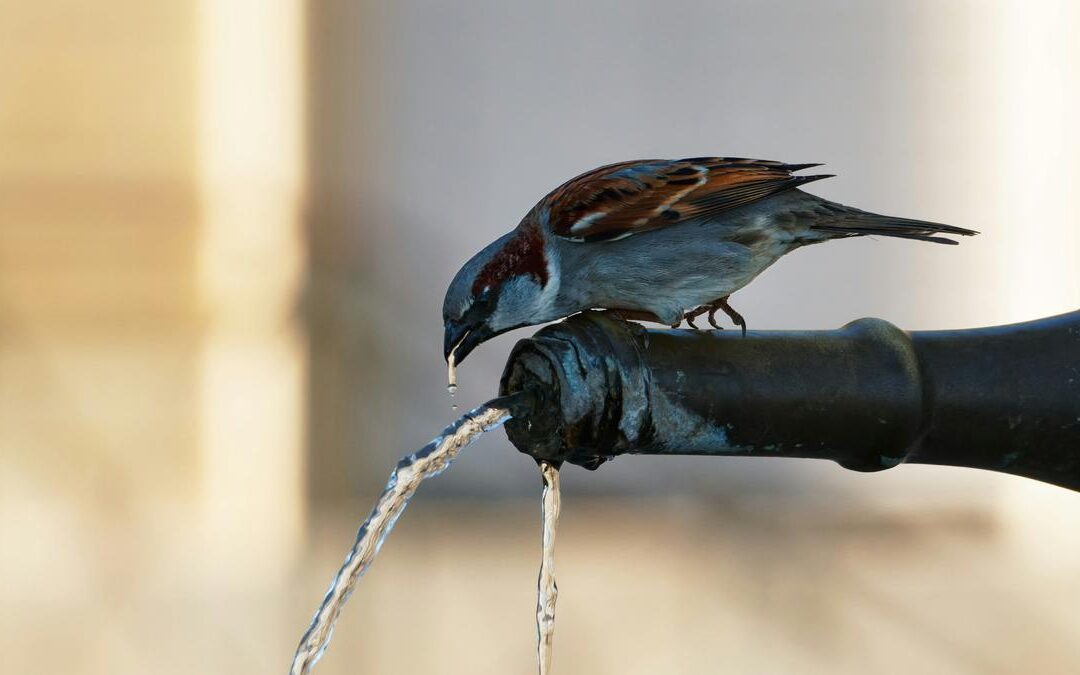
451, 374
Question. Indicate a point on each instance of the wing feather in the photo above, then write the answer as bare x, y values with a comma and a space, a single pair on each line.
620, 200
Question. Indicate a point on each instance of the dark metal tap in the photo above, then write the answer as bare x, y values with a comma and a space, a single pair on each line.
869, 395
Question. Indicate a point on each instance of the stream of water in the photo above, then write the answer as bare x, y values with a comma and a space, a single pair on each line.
547, 591
431, 460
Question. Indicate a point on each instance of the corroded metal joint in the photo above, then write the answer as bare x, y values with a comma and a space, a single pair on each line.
869, 395
589, 390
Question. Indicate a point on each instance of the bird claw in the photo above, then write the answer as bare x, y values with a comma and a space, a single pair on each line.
711, 309
735, 317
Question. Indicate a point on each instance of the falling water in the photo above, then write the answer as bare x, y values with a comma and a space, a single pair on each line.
431, 460
451, 374
547, 591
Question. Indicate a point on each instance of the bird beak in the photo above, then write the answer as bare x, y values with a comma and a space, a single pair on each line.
461, 339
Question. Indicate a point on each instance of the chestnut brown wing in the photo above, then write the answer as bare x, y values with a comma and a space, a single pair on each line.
623, 199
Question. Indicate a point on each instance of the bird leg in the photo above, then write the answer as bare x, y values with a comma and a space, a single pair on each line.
722, 304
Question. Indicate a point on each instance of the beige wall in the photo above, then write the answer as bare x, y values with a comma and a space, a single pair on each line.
98, 225
150, 375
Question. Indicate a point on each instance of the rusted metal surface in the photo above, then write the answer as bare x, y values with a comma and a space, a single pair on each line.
869, 395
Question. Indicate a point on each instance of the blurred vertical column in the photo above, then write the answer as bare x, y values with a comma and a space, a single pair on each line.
1033, 75
98, 330
350, 322
1003, 119
250, 260
995, 91
1029, 76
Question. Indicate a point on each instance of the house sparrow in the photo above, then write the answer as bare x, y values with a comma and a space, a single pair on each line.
655, 240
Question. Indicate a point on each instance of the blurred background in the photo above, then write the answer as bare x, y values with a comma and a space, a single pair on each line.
225, 232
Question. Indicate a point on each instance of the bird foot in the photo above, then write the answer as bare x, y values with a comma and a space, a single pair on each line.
711, 308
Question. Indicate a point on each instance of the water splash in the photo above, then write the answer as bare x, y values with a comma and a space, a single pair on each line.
429, 461
547, 592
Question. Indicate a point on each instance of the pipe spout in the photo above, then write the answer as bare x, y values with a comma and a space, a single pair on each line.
869, 395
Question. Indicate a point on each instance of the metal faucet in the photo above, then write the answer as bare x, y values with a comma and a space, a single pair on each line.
869, 396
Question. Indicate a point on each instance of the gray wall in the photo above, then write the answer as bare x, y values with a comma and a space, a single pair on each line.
437, 125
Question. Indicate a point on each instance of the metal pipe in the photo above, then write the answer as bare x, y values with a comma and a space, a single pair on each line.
869, 395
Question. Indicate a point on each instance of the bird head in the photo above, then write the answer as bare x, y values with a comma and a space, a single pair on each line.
507, 285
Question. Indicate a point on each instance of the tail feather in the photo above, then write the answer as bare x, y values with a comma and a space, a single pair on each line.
854, 223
